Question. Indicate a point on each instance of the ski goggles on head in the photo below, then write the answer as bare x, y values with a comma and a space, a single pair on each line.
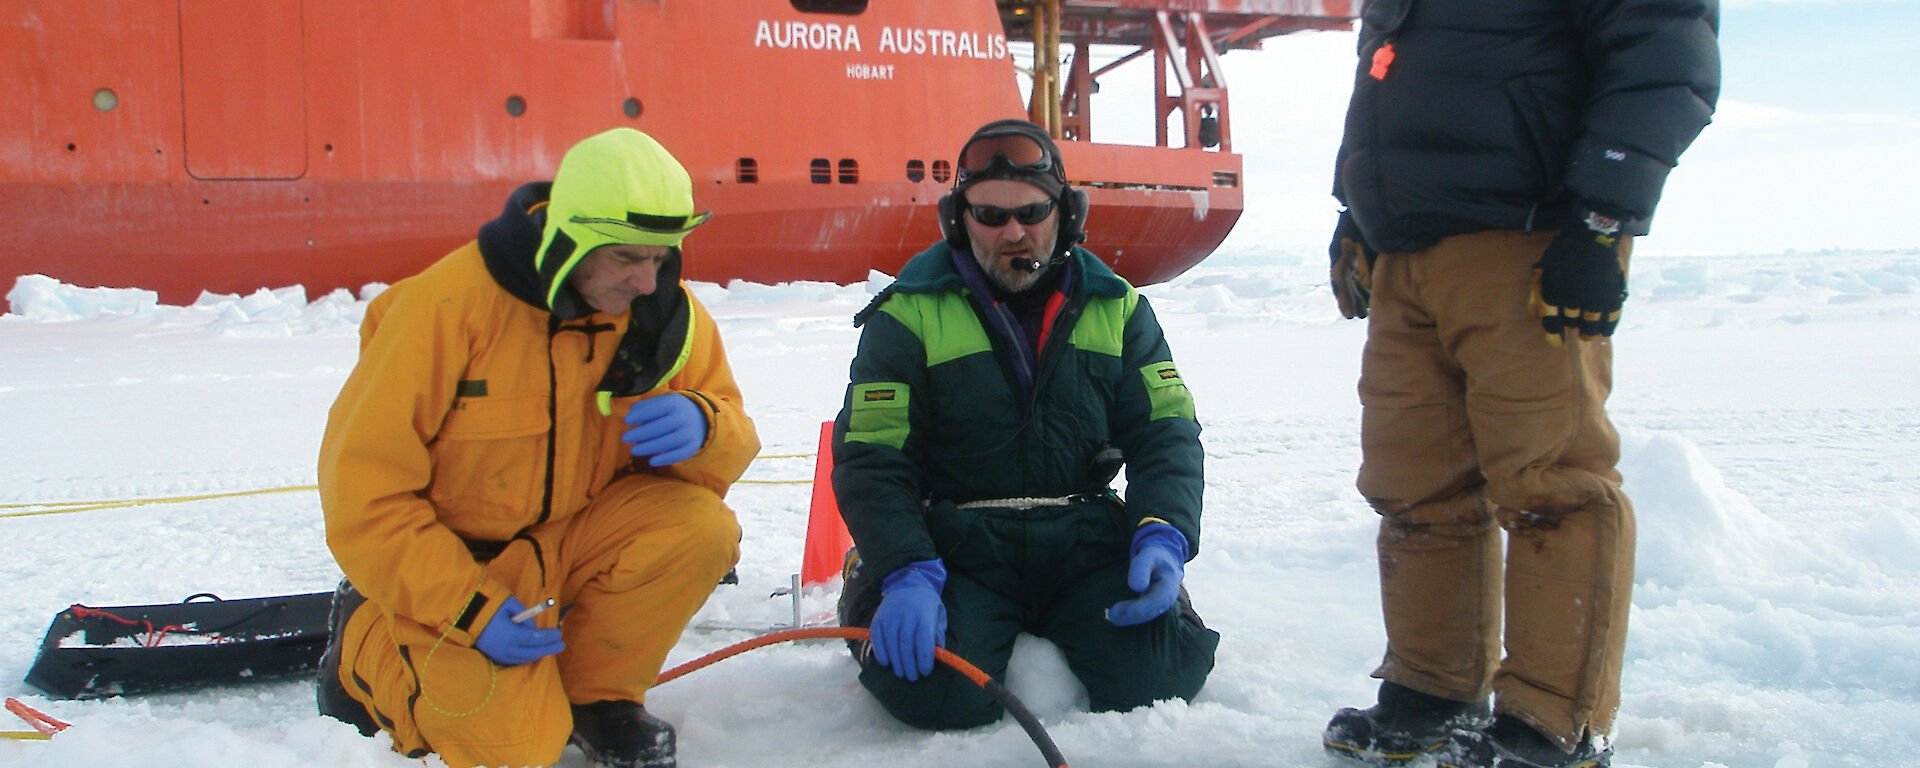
1012, 152
1028, 215
628, 230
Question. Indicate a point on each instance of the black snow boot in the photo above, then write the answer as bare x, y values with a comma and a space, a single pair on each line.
1404, 725
859, 599
333, 698
620, 734
1511, 743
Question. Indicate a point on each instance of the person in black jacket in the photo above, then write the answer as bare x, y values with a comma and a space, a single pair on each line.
1498, 160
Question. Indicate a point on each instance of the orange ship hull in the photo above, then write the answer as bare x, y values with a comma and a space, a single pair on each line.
184, 145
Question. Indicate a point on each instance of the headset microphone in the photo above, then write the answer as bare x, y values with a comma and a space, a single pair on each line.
1028, 265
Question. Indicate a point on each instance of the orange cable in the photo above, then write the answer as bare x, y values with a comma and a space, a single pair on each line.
1020, 713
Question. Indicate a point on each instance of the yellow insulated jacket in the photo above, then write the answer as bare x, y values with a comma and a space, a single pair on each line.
472, 416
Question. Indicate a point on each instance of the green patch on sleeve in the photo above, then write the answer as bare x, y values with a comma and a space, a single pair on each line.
1167, 391
879, 414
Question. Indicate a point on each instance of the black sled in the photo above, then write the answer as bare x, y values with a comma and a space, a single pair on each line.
92, 653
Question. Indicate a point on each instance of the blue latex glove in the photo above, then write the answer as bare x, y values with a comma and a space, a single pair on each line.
508, 643
911, 620
1158, 565
670, 428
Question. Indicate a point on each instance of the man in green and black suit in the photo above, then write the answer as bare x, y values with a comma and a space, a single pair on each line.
999, 385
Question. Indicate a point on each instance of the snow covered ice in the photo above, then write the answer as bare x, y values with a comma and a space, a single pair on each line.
1771, 431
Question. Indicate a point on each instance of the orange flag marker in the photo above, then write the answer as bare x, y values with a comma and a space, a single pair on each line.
827, 537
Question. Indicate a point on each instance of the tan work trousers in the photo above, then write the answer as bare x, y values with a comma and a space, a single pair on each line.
630, 570
1472, 423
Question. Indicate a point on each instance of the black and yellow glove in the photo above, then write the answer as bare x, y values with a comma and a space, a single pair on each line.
1352, 269
1578, 283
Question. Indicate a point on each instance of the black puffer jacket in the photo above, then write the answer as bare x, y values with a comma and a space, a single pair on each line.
1498, 114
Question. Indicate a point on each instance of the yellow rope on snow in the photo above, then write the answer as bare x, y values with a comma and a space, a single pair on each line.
778, 482
62, 507
83, 506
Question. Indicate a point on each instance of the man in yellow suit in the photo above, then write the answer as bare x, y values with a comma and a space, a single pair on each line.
546, 414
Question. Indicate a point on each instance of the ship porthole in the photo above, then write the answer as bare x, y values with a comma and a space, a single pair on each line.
105, 99
516, 106
631, 108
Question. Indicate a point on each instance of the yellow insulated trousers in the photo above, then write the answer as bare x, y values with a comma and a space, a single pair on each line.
1472, 423
629, 572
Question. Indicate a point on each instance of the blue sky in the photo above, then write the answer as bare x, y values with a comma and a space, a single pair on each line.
1817, 142
1823, 56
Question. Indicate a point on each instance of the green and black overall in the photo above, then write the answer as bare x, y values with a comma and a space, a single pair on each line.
939, 417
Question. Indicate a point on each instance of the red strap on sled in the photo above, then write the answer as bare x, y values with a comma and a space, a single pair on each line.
42, 722
153, 636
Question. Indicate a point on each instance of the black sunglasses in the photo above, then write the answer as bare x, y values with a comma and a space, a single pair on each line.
1028, 215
